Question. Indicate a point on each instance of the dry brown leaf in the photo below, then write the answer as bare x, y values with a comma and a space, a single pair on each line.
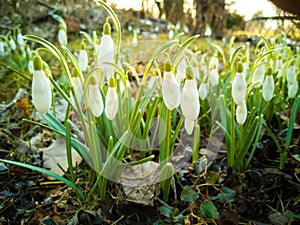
56, 154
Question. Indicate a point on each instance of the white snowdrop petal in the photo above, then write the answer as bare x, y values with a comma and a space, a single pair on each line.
293, 89
241, 113
78, 89
258, 75
30, 67
268, 88
20, 39
188, 126
111, 103
62, 37
83, 59
12, 44
106, 54
213, 77
41, 91
203, 91
170, 91
95, 100
180, 73
190, 105
238, 90
291, 75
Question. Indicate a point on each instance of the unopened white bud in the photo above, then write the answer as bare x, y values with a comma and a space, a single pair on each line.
258, 75
170, 90
293, 89
241, 113
203, 91
268, 88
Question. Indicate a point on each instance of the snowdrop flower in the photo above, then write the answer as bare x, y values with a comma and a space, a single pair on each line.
20, 39
293, 89
30, 65
195, 71
213, 77
239, 85
111, 100
188, 126
268, 86
241, 113
62, 35
258, 75
106, 51
12, 44
83, 57
203, 91
41, 87
152, 79
279, 66
213, 71
291, 73
77, 86
180, 72
134, 40
170, 88
190, 105
2, 47
94, 97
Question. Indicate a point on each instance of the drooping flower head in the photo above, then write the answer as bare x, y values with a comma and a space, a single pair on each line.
95, 101
268, 86
190, 105
241, 113
180, 71
41, 87
170, 88
258, 75
106, 51
111, 100
77, 86
83, 57
239, 85
62, 35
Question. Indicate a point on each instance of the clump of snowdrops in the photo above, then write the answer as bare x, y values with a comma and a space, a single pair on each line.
234, 92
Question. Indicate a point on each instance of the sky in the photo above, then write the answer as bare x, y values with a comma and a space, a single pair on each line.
243, 7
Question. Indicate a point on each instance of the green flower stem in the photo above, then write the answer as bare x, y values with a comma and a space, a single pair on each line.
196, 142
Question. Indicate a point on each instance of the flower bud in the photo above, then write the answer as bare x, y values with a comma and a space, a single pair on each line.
12, 44
258, 75
291, 73
188, 126
41, 87
20, 39
83, 57
203, 91
111, 100
239, 86
170, 88
106, 51
190, 105
77, 86
180, 72
293, 89
62, 36
213, 77
241, 113
268, 86
95, 98
2, 47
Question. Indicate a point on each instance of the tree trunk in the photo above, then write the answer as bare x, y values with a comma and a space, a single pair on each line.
174, 10
212, 13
